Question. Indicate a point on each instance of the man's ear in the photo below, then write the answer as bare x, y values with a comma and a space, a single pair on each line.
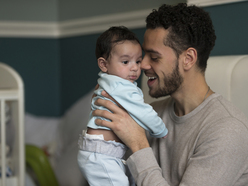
190, 58
102, 63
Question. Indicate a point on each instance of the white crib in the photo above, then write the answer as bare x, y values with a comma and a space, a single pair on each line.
11, 94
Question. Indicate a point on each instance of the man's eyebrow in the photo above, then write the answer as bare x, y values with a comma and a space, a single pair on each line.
151, 51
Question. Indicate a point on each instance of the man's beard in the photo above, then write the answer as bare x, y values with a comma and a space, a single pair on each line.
171, 84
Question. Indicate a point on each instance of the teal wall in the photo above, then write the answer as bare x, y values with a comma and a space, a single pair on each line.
58, 72
38, 63
231, 27
79, 68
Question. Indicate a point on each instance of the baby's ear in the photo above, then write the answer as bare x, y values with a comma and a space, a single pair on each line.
102, 63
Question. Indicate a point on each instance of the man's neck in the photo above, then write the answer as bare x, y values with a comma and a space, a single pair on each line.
188, 97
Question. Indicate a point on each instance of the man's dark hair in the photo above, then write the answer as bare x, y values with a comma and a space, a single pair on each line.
188, 26
110, 37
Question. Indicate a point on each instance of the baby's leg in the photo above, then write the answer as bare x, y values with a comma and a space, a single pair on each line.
100, 160
101, 169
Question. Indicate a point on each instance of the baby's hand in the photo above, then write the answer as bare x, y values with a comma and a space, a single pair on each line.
164, 137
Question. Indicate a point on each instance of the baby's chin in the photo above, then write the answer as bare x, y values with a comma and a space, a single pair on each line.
132, 80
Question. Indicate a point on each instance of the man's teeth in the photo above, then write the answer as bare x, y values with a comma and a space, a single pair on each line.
151, 78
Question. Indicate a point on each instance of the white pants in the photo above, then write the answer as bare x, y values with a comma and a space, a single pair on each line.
101, 164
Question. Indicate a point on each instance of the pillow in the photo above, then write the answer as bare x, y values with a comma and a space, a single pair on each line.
73, 122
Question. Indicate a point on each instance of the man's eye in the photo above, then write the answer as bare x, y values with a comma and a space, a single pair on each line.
124, 62
154, 59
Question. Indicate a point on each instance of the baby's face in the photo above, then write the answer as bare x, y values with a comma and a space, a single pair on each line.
124, 60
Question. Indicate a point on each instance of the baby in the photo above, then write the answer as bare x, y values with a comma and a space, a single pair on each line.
119, 56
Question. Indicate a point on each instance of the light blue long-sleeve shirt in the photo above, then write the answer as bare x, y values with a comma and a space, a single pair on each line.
130, 97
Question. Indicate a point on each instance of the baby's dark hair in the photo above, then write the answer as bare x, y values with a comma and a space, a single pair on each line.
188, 26
111, 36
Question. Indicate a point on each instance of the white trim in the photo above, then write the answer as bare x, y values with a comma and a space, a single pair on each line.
28, 29
211, 2
72, 27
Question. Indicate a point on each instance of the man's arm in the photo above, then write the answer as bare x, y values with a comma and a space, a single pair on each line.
145, 169
142, 163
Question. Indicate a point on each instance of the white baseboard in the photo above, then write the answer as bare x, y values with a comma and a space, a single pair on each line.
69, 28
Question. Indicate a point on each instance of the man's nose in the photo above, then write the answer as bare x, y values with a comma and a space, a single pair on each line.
145, 65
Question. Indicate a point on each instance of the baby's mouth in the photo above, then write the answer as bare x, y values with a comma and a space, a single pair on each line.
133, 77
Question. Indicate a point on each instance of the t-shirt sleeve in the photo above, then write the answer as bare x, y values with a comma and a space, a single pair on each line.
145, 169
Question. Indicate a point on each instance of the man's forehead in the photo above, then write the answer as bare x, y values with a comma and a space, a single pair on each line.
159, 32
154, 38
157, 35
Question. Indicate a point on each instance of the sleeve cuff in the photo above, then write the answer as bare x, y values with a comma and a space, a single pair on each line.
142, 160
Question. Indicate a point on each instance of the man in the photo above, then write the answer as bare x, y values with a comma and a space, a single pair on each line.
207, 143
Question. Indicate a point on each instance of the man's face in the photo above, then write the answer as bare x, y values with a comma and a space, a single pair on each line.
160, 64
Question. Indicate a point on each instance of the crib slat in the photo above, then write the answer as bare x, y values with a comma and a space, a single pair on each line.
3, 158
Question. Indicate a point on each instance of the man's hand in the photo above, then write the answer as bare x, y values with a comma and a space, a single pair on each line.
122, 124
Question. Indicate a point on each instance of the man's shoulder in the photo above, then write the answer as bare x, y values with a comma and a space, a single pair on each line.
226, 108
223, 114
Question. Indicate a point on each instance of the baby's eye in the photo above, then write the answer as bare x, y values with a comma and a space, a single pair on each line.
124, 62
138, 61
